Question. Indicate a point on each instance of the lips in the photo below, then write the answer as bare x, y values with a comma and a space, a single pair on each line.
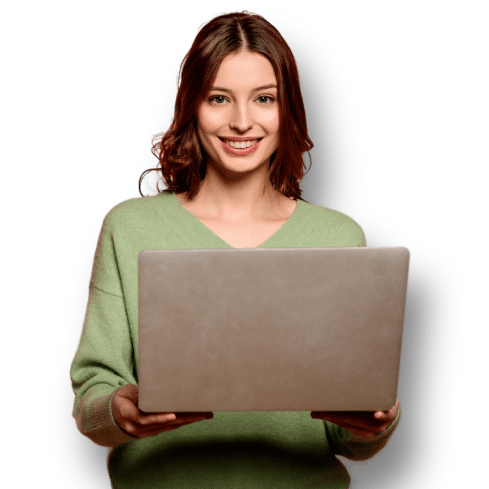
240, 146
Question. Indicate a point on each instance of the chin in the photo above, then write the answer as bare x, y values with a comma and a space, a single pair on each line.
241, 167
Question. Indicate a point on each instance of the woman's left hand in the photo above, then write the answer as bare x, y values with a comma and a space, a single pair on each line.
366, 424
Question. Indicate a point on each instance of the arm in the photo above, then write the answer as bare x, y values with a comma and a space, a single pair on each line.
103, 372
104, 361
103, 380
103, 364
358, 436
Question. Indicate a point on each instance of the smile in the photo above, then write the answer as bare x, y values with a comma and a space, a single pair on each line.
240, 148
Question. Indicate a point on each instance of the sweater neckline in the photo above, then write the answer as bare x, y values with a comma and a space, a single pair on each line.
188, 217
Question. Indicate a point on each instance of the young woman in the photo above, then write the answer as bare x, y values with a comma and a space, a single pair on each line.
232, 163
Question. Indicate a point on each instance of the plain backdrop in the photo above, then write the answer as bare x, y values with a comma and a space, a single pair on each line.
397, 104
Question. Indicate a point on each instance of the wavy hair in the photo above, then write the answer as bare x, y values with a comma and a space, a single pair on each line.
179, 151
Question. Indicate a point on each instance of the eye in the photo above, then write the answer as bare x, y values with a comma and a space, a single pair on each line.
217, 100
265, 99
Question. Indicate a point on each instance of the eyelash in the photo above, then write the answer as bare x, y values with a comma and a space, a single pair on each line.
211, 99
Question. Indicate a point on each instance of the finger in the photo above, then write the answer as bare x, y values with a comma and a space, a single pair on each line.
192, 417
142, 432
162, 420
157, 431
390, 414
130, 418
373, 428
366, 421
356, 430
157, 418
148, 418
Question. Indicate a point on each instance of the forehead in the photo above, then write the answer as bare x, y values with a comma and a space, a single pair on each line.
245, 70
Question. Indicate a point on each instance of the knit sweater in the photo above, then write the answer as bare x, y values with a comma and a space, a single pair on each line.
234, 450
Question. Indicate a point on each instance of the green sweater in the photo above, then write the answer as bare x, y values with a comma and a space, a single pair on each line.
234, 449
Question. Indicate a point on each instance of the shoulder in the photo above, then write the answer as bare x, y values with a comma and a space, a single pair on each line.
332, 223
325, 214
137, 210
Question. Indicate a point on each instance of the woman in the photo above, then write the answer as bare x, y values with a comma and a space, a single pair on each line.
232, 162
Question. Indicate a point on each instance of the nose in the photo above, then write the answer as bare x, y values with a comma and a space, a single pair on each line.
241, 119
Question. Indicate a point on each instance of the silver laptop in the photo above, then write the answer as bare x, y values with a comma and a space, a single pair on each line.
308, 329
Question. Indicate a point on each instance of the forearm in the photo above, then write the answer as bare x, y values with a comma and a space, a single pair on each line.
94, 419
102, 364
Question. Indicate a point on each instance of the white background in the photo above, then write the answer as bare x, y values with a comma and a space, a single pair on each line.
397, 103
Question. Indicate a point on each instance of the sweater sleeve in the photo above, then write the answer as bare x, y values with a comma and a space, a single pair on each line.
343, 442
104, 361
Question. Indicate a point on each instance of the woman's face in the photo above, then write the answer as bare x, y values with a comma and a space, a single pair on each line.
239, 119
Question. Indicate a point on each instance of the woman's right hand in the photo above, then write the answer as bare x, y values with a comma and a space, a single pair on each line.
133, 421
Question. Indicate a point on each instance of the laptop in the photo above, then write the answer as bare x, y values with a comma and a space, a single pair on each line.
289, 329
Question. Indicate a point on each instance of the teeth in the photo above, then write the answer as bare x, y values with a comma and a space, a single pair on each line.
242, 144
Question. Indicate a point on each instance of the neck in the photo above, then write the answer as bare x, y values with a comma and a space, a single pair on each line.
236, 198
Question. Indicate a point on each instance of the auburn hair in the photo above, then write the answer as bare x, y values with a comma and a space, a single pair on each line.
179, 151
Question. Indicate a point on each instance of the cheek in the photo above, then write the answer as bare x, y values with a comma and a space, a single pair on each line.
205, 128
271, 122
208, 120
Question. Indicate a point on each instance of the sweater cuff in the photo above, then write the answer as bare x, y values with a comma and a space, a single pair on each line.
102, 427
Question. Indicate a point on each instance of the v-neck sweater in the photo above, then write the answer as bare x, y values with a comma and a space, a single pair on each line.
233, 450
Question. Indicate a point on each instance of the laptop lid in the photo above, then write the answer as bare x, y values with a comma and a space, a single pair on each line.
316, 329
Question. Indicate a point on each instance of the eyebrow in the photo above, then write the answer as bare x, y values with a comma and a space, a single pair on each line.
263, 87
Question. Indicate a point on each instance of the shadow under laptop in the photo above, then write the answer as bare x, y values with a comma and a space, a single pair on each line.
247, 463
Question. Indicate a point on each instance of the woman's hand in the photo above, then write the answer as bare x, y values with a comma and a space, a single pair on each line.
133, 421
363, 424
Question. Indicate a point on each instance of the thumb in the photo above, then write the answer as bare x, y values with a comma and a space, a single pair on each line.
129, 391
